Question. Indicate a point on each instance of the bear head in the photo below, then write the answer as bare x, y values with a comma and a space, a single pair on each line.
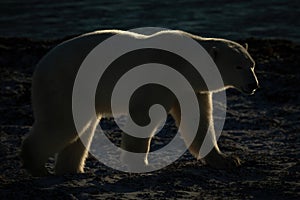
235, 65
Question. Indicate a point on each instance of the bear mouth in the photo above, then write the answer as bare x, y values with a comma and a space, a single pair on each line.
248, 91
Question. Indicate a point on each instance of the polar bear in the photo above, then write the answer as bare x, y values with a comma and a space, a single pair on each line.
53, 131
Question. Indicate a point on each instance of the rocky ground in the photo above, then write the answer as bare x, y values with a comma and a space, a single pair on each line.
263, 130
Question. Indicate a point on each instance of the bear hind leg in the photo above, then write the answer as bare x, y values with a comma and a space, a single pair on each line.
72, 158
33, 160
36, 148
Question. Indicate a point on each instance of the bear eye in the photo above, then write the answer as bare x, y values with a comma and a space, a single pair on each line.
238, 67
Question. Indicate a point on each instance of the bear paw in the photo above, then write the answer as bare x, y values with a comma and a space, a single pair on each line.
222, 161
134, 162
37, 172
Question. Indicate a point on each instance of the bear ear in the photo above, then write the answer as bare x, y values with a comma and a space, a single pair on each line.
246, 46
213, 52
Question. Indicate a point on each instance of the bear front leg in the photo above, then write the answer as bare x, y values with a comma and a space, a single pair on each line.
139, 146
215, 158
